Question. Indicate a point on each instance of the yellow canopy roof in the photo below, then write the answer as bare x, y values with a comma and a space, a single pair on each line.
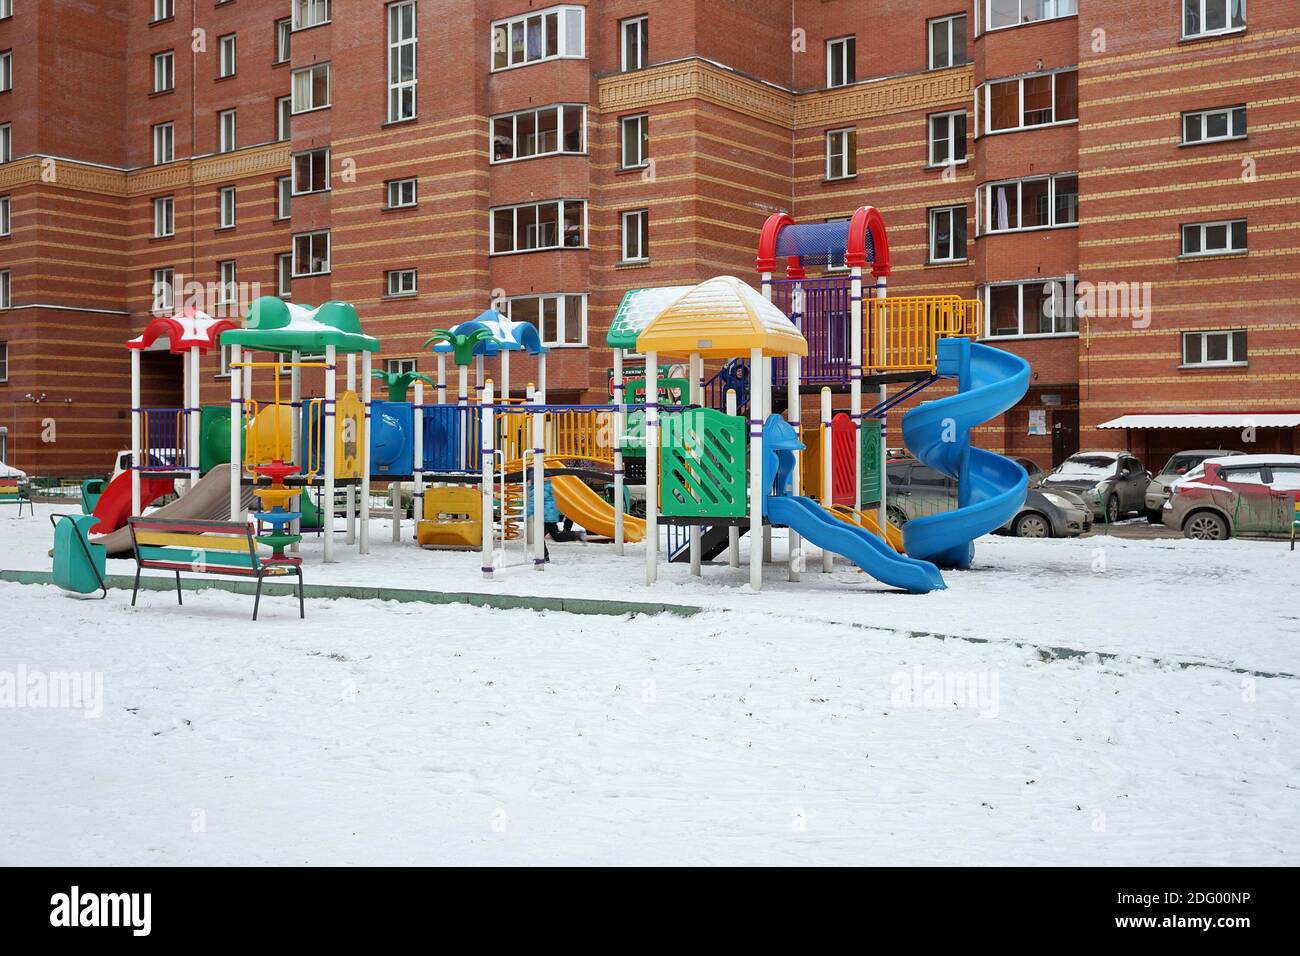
721, 318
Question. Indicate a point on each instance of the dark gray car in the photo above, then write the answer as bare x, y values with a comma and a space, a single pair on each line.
1112, 483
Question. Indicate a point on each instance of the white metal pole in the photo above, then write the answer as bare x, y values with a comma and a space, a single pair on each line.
883, 516
757, 387
794, 415
505, 376
417, 489
136, 414
539, 488
828, 557
733, 532
442, 378
541, 375
351, 493
651, 467
855, 379
462, 401
478, 377
366, 395
620, 423
696, 373
488, 432
192, 417
295, 435
328, 437
236, 432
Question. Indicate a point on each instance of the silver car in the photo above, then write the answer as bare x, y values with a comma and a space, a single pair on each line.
1178, 466
1112, 483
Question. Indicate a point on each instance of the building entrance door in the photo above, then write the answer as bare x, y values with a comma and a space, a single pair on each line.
1065, 434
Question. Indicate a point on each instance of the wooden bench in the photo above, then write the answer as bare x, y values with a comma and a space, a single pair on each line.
206, 547
11, 492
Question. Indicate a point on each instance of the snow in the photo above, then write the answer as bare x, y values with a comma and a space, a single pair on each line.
822, 721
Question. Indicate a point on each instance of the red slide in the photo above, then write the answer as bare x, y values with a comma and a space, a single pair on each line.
115, 503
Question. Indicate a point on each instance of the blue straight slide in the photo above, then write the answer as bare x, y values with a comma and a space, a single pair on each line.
860, 546
990, 488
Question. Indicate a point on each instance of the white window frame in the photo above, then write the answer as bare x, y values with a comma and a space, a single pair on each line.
953, 139
227, 207
401, 283
314, 155
310, 13
517, 210
310, 72
1202, 228
1060, 9
395, 188
561, 111
401, 366
641, 26
562, 318
1202, 6
6, 215
284, 276
163, 291
283, 40
504, 31
6, 10
642, 159
283, 197
227, 280
6, 71
401, 46
846, 152
1202, 118
6, 289
164, 217
1040, 284
986, 204
953, 212
841, 52
227, 131
283, 118
983, 99
226, 55
164, 143
6, 142
1203, 335
634, 235
164, 71
4, 359
311, 237
948, 23
163, 10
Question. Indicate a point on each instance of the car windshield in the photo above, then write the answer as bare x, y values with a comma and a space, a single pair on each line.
1084, 466
1182, 464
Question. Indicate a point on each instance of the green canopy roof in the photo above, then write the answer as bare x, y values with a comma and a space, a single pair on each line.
274, 325
638, 309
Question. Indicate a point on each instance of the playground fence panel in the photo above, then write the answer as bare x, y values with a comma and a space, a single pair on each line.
164, 439
702, 465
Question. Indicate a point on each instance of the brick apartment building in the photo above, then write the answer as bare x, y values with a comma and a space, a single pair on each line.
424, 159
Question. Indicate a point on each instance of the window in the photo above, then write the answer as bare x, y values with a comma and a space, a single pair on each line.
164, 71
1039, 203
164, 143
561, 319
226, 201
1036, 307
544, 35
541, 132
6, 71
402, 193
284, 274
635, 34
226, 55
283, 196
6, 10
841, 61
164, 290
164, 9
547, 225
401, 61
635, 149
283, 117
226, 282
400, 282
841, 153
948, 234
1210, 126
400, 366
6, 142
1284, 478
636, 236
1013, 13
4, 363
1029, 101
310, 13
948, 138
311, 253
311, 172
225, 131
947, 41
311, 88
283, 39
164, 217
1207, 17
1214, 238
1214, 348
5, 223
5, 301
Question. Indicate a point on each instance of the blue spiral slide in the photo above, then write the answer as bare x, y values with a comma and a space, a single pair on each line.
990, 488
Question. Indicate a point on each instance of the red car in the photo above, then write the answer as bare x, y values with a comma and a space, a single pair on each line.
1241, 495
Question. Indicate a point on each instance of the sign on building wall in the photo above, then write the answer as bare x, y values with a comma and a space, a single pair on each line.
1038, 421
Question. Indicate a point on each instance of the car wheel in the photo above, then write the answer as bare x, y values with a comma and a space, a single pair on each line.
1205, 526
1031, 524
1112, 509
897, 517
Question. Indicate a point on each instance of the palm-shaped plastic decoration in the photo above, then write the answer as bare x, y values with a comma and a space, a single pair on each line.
398, 383
462, 344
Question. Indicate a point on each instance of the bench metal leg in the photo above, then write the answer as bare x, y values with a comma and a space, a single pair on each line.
258, 599
178, 589
302, 609
135, 590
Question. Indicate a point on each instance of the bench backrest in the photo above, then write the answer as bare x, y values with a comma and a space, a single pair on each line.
194, 544
10, 489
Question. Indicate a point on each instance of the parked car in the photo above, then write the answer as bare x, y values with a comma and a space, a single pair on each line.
915, 490
1036, 474
1178, 466
1112, 483
1238, 494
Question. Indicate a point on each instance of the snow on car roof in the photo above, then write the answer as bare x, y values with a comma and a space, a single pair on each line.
1240, 460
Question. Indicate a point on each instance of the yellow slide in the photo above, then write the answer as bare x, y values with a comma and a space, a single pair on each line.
867, 520
590, 510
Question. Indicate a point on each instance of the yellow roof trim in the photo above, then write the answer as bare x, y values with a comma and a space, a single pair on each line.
721, 318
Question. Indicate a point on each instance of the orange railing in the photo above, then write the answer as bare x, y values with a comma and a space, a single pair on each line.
902, 331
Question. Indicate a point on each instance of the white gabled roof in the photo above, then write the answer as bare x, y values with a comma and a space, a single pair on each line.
1288, 420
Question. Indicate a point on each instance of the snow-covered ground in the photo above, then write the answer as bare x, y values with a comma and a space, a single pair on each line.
824, 721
